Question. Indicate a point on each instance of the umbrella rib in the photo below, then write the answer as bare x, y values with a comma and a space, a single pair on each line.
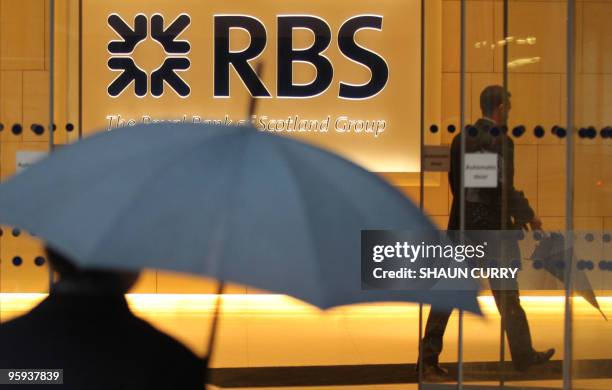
279, 148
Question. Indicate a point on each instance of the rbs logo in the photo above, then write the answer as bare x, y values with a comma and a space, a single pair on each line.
175, 50
287, 55
224, 59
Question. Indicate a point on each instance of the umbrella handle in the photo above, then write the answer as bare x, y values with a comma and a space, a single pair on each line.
253, 100
214, 324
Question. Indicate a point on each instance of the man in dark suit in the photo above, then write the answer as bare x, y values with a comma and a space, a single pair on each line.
85, 328
500, 208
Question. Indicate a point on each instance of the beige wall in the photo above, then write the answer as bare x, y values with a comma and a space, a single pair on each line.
24, 97
538, 91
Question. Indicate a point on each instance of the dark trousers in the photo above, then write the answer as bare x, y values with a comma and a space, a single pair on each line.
513, 317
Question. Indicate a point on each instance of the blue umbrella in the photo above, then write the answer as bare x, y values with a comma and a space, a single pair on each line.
226, 202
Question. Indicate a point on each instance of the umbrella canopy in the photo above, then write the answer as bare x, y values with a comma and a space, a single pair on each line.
552, 253
227, 202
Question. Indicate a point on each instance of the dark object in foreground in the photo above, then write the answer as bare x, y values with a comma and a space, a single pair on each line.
99, 344
86, 328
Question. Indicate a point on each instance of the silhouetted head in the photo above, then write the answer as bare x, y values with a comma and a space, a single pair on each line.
77, 279
495, 103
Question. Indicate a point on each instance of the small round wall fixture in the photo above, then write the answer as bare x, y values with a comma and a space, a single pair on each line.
518, 131
16, 129
538, 131
37, 129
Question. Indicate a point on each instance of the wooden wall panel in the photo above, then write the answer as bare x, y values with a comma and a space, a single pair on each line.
553, 223
593, 224
450, 104
551, 180
594, 100
26, 277
435, 197
593, 181
22, 32
47, 30
536, 101
66, 72
24, 100
544, 21
596, 37
607, 224
11, 92
35, 105
525, 165
479, 36
593, 107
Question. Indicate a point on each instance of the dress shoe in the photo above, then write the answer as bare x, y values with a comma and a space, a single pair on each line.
535, 359
542, 357
434, 373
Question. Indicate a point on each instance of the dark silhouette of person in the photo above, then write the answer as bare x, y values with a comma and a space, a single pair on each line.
85, 328
500, 208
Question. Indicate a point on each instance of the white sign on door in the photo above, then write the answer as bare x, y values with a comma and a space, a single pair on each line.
481, 170
26, 158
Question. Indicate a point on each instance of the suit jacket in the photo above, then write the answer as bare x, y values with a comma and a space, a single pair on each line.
484, 205
99, 344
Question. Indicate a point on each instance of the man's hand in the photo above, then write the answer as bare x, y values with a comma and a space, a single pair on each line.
535, 223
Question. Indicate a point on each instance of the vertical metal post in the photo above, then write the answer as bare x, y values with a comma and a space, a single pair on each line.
504, 210
569, 203
51, 72
420, 361
422, 180
460, 352
422, 110
51, 94
80, 69
462, 114
462, 175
